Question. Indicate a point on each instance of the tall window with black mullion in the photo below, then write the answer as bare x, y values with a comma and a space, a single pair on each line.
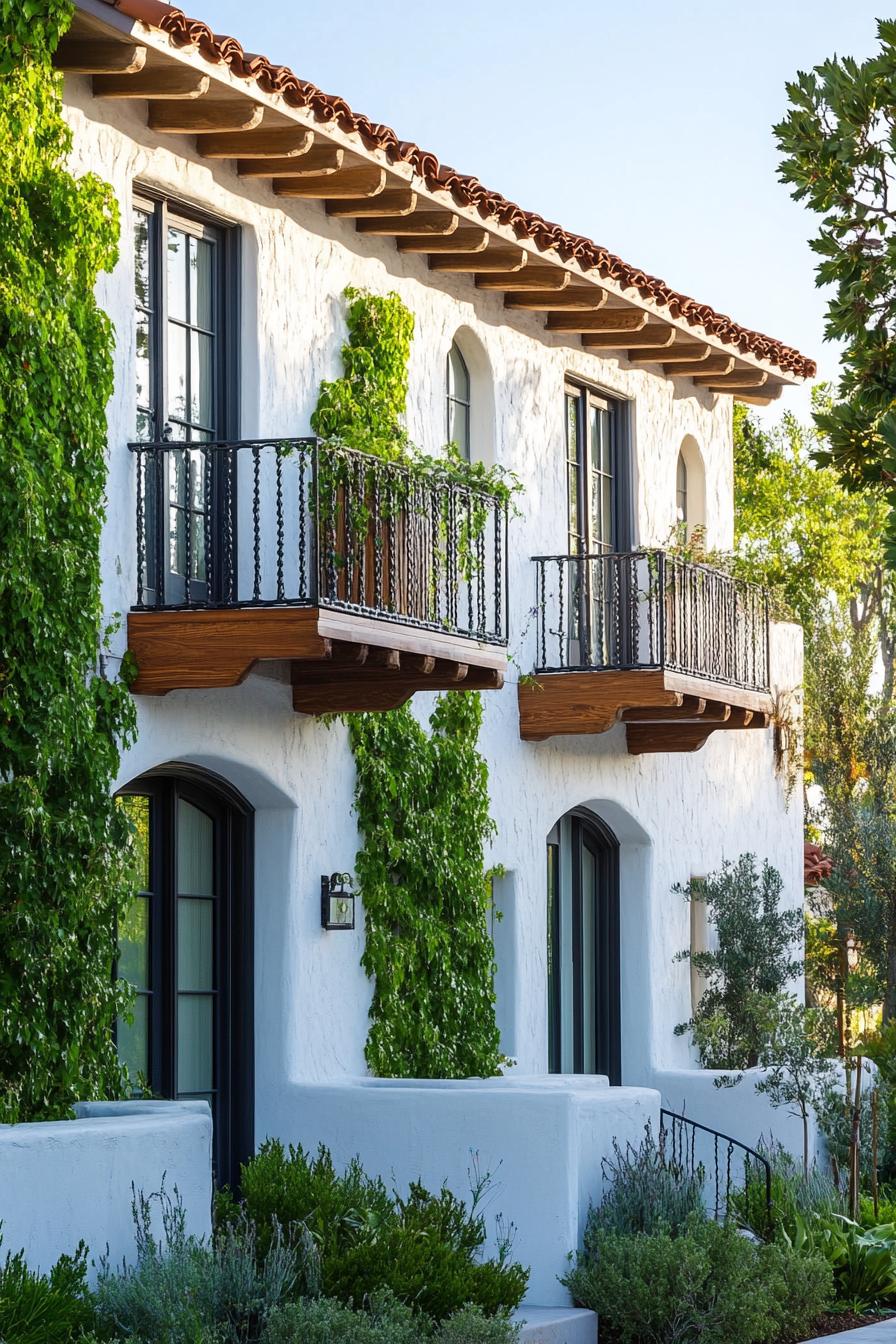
182, 333
593, 522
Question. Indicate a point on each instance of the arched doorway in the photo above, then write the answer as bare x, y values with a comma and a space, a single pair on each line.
583, 947
186, 945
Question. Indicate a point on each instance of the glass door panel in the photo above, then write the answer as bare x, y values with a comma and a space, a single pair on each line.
589, 900
583, 949
592, 511
196, 942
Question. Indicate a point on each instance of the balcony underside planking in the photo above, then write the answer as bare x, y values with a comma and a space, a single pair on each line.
664, 711
340, 661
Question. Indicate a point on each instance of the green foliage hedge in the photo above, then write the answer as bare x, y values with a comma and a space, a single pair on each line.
424, 1248
423, 807
64, 865
704, 1282
658, 1270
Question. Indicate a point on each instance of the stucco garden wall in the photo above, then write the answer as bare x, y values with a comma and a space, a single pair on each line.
66, 1181
675, 815
541, 1139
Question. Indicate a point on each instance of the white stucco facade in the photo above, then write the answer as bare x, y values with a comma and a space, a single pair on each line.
674, 815
67, 1181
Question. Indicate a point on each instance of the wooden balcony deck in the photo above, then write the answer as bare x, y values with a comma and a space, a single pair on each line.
673, 650
346, 567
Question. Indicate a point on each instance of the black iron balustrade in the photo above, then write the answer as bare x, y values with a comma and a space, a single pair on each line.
294, 522
649, 609
737, 1180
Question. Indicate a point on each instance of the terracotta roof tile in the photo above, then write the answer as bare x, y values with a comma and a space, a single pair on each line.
465, 190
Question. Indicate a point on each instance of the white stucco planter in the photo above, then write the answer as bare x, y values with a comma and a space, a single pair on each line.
541, 1138
66, 1181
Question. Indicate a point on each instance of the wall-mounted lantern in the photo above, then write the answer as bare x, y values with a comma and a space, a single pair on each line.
337, 902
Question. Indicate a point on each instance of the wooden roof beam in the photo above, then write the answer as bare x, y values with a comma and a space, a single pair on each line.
461, 263
203, 117
171, 82
762, 397
318, 161
737, 378
268, 143
650, 335
718, 364
347, 185
398, 201
575, 299
465, 240
421, 223
535, 278
673, 354
77, 57
605, 319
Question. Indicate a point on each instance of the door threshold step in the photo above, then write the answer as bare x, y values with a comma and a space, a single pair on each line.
556, 1325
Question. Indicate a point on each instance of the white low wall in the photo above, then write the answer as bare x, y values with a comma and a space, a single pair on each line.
67, 1181
542, 1139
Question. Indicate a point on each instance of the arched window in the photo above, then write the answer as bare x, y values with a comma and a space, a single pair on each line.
583, 947
458, 401
681, 490
186, 947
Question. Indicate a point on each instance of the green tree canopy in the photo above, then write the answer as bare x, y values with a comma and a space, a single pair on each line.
838, 140
797, 529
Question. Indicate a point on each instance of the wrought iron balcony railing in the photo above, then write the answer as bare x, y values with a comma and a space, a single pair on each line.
293, 522
648, 609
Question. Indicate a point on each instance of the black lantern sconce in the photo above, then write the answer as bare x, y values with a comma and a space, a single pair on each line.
337, 902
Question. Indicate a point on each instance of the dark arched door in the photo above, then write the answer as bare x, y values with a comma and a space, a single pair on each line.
583, 947
186, 945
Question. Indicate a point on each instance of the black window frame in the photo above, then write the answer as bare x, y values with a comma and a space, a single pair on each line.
234, 1054
585, 828
587, 395
451, 399
165, 210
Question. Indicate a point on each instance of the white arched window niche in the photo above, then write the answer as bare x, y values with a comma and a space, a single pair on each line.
469, 398
690, 487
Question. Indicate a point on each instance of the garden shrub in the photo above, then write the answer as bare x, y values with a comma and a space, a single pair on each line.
383, 1321
794, 1193
863, 1260
709, 1283
49, 1308
647, 1191
801, 1284
424, 1247
183, 1289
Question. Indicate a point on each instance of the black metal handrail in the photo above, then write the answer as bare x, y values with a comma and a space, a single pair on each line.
649, 609
295, 522
696, 1149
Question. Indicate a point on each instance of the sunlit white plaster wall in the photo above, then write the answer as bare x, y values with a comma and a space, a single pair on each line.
66, 1181
675, 815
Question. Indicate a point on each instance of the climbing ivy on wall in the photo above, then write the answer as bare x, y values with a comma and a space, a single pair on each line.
423, 809
64, 857
421, 797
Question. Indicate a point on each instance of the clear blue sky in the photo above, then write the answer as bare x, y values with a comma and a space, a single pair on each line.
644, 124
